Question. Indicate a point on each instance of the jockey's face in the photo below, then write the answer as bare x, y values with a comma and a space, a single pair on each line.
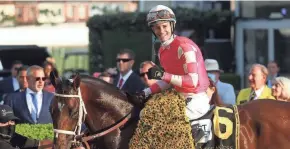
257, 78
162, 30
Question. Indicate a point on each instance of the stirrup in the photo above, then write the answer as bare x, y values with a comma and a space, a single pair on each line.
197, 133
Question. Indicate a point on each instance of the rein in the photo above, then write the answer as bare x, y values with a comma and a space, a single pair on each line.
115, 126
82, 113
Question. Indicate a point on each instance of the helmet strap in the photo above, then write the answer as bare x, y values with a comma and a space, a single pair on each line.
172, 27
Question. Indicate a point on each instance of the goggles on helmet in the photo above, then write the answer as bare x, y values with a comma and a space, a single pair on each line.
162, 15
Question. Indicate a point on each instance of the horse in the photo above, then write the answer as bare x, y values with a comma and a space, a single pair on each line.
106, 111
264, 124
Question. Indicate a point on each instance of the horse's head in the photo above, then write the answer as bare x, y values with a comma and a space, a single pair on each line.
67, 110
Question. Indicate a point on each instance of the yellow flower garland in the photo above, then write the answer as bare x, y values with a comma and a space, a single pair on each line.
163, 124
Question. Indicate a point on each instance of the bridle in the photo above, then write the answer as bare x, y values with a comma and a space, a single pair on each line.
81, 118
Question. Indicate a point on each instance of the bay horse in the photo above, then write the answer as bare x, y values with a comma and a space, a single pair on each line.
264, 124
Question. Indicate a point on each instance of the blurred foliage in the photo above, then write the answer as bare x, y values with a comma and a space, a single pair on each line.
7, 20
36, 131
232, 79
73, 62
136, 22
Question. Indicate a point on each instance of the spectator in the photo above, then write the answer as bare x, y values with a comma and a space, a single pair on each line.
106, 77
48, 68
258, 88
273, 69
126, 79
8, 138
225, 91
281, 88
10, 84
144, 67
21, 78
32, 106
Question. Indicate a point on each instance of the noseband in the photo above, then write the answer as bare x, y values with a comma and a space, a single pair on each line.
81, 117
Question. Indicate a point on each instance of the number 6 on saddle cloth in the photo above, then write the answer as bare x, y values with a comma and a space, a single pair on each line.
220, 126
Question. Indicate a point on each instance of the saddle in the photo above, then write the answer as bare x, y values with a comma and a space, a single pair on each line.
220, 129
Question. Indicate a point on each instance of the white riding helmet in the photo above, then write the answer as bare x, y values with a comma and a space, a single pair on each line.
160, 13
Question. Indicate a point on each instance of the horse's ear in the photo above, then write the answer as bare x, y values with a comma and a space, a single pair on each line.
54, 79
77, 81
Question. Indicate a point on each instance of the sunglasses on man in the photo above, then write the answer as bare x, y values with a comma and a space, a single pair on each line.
17, 68
143, 74
40, 78
123, 60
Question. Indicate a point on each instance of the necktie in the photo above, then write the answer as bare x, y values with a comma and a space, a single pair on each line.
252, 95
120, 83
34, 111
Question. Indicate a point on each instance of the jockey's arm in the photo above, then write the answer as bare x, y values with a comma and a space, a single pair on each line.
190, 79
159, 86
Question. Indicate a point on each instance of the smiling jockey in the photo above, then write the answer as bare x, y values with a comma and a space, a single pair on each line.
183, 63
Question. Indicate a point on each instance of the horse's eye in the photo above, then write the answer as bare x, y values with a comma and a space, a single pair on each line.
74, 113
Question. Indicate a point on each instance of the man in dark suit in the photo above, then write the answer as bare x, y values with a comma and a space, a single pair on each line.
22, 80
126, 79
32, 105
131, 83
10, 84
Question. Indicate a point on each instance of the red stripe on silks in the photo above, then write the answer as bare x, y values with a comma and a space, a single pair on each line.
187, 81
191, 67
155, 88
167, 77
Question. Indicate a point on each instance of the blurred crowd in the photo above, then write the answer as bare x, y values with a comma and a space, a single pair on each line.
265, 82
29, 91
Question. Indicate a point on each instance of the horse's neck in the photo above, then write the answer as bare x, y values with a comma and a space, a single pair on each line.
104, 107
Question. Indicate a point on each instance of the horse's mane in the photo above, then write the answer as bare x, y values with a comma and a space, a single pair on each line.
100, 81
105, 86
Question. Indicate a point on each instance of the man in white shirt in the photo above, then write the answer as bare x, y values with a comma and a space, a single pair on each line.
225, 91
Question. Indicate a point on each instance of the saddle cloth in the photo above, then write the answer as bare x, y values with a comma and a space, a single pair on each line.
221, 128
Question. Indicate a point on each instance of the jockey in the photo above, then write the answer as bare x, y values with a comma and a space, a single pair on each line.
183, 65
